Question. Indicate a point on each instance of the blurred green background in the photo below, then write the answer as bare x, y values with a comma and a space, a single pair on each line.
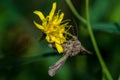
25, 55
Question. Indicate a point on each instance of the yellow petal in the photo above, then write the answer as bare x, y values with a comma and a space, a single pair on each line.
49, 38
59, 48
52, 11
40, 14
38, 26
60, 18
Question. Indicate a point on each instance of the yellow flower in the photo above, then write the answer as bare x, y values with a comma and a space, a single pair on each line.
53, 27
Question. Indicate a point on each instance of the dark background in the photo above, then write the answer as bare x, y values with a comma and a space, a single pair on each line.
25, 55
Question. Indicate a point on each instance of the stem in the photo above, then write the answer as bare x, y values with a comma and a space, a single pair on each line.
105, 70
75, 11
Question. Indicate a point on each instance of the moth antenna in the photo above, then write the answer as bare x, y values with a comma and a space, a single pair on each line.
74, 28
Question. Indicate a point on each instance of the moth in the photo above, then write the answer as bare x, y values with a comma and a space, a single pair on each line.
72, 47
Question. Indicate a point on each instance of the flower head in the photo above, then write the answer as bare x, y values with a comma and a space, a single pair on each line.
53, 27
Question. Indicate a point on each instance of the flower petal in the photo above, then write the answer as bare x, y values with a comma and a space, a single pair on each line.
59, 48
49, 38
38, 25
60, 18
52, 11
40, 14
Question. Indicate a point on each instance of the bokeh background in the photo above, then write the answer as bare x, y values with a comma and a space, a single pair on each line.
25, 55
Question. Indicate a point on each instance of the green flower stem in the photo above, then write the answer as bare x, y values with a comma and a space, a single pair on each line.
87, 22
104, 68
75, 11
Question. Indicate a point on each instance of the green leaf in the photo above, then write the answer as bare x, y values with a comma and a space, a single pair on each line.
119, 77
107, 27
